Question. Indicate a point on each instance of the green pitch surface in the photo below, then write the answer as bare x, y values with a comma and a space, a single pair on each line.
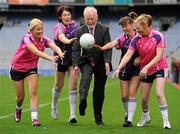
113, 113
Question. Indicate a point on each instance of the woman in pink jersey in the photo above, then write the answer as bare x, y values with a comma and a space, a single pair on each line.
64, 38
24, 66
129, 74
150, 45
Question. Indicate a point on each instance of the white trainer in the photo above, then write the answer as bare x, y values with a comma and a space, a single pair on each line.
144, 121
54, 113
72, 118
166, 124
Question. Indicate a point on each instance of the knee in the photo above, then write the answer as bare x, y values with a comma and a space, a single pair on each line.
159, 96
34, 92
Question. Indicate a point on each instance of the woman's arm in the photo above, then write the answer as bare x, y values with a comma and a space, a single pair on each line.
41, 54
56, 49
65, 40
123, 62
159, 54
125, 59
107, 46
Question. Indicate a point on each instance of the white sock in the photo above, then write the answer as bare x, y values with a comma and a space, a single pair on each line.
131, 108
164, 112
72, 101
146, 114
34, 114
19, 107
125, 104
55, 96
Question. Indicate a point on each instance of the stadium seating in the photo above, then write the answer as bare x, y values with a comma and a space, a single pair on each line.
11, 33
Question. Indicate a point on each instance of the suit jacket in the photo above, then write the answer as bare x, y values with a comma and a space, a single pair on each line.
102, 36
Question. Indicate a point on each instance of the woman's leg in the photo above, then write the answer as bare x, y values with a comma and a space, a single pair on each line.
145, 89
72, 94
32, 81
58, 85
124, 85
160, 83
20, 94
134, 84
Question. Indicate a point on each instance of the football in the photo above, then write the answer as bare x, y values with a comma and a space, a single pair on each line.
87, 40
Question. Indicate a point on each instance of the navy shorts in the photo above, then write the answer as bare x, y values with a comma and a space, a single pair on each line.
62, 68
128, 75
17, 76
163, 73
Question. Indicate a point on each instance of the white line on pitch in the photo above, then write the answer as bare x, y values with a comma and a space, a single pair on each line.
46, 104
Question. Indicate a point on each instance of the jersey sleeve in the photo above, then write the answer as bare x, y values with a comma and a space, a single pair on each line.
133, 43
121, 40
27, 40
46, 41
58, 29
160, 42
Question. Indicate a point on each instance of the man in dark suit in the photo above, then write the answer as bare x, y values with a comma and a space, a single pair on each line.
92, 61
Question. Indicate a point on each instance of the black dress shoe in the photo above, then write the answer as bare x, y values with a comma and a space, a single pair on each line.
127, 124
125, 119
99, 123
82, 107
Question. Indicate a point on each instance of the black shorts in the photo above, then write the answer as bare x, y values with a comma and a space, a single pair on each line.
62, 68
163, 73
123, 75
17, 76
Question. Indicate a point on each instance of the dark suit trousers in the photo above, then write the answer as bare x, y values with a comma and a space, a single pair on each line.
99, 85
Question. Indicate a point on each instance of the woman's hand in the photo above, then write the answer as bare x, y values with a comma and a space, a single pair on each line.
137, 61
53, 59
61, 54
143, 73
72, 40
116, 73
98, 47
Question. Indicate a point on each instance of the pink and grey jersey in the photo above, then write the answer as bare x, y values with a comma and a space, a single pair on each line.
146, 46
24, 60
123, 44
69, 32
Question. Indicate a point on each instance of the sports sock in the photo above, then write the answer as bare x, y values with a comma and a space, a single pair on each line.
72, 101
131, 108
34, 114
125, 104
55, 96
164, 112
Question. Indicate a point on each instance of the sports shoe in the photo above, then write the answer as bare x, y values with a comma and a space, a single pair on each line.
17, 115
127, 124
36, 123
72, 118
166, 124
144, 121
54, 113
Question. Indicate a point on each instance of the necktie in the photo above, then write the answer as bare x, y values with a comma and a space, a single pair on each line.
91, 30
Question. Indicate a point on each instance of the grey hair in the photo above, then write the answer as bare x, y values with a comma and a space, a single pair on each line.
93, 9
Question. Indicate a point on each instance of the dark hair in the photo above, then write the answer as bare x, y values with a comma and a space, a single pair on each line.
60, 10
133, 15
128, 19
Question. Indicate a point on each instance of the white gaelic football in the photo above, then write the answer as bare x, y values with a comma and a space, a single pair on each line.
87, 40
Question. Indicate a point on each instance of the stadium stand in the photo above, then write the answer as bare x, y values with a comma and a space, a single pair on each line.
19, 16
